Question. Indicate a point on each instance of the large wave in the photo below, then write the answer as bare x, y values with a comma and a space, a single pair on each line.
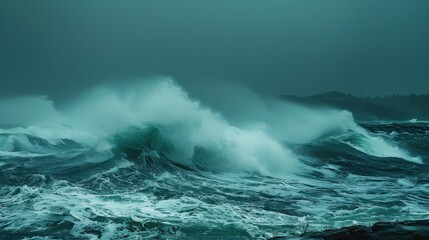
159, 116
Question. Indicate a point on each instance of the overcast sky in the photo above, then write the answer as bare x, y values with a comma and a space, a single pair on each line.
276, 47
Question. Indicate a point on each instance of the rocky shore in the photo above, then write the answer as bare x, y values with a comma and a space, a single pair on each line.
407, 230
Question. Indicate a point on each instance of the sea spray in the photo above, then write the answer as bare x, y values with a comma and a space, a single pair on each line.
150, 161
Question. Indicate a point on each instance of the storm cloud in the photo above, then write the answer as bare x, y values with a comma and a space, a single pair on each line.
298, 47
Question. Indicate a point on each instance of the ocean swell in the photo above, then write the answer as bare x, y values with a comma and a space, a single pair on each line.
160, 116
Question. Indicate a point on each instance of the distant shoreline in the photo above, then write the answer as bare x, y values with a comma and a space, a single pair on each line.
393, 107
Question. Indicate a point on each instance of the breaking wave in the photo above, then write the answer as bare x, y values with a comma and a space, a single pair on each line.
160, 116
150, 161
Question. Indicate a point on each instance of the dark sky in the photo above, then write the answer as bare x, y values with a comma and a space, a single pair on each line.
278, 46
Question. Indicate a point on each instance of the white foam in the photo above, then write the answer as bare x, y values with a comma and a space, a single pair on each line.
379, 147
186, 125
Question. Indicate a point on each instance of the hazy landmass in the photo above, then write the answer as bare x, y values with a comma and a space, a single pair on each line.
364, 108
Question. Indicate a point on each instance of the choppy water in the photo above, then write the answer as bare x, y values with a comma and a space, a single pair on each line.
175, 177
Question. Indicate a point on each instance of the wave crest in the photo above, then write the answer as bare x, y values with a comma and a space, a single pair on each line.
161, 116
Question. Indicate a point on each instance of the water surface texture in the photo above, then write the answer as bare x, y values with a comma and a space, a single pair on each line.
152, 162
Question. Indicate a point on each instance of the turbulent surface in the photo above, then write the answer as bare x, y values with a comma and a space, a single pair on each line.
199, 177
61, 189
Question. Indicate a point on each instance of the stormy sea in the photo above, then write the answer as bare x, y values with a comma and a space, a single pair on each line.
152, 161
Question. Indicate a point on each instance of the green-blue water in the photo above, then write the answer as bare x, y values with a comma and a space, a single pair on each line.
182, 172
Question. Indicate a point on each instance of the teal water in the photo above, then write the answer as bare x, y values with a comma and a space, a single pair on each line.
156, 164
64, 190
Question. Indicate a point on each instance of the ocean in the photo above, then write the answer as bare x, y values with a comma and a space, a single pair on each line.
153, 163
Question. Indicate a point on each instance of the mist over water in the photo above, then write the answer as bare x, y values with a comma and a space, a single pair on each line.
150, 160
186, 124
